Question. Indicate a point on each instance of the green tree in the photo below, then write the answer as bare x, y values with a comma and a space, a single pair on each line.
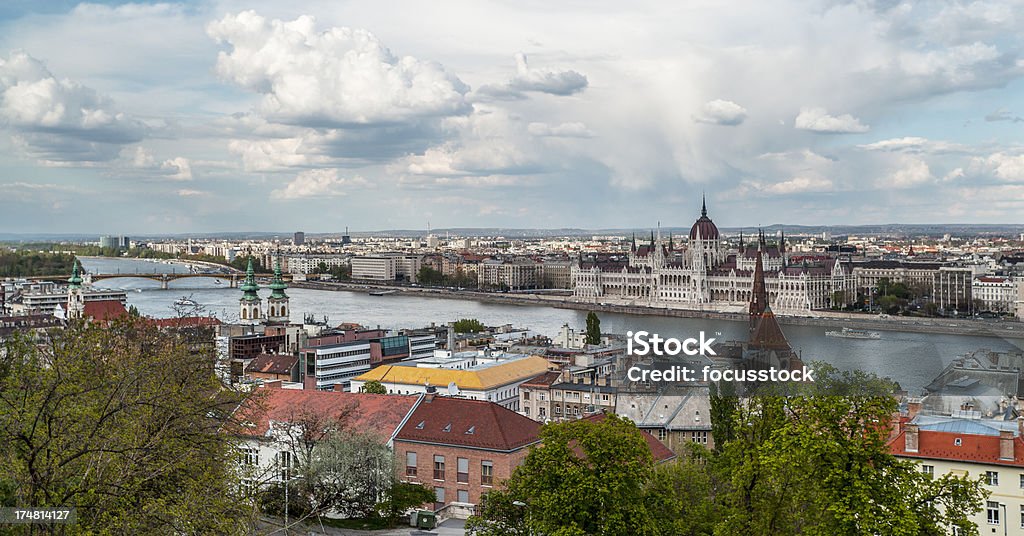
724, 404
468, 325
681, 496
124, 422
375, 387
593, 328
402, 497
585, 478
819, 463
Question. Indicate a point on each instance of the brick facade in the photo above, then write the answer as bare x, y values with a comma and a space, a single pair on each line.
474, 486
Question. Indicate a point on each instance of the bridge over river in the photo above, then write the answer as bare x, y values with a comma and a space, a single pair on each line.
164, 279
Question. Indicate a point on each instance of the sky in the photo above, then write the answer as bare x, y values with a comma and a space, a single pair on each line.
210, 116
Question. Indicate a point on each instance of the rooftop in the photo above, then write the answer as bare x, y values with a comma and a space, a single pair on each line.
479, 378
469, 423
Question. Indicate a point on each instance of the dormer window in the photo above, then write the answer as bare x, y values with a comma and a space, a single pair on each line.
421, 425
447, 428
957, 442
471, 431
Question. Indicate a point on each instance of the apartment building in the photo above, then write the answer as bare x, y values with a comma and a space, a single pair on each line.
965, 444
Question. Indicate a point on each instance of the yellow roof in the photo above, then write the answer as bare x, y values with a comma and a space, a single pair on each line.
476, 380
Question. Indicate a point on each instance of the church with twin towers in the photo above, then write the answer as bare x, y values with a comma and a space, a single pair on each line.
706, 271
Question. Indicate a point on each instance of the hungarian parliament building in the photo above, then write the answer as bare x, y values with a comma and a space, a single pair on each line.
706, 272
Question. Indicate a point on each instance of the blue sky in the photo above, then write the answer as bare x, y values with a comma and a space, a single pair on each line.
269, 116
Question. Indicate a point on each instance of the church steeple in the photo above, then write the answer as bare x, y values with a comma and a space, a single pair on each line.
759, 294
75, 281
742, 248
277, 304
633, 246
249, 304
703, 206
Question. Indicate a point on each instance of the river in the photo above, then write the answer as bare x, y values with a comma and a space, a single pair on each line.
913, 359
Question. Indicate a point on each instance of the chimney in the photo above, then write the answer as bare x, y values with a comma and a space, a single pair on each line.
451, 338
1005, 444
1020, 426
273, 384
913, 408
431, 391
339, 387
911, 437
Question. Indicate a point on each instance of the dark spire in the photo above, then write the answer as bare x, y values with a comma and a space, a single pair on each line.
741, 242
75, 281
671, 246
633, 247
652, 240
759, 294
782, 241
703, 206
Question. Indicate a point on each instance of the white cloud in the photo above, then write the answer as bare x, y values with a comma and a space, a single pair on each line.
190, 193
528, 79
721, 112
819, 120
319, 183
178, 169
800, 185
338, 77
562, 130
911, 173
915, 144
1002, 166
60, 120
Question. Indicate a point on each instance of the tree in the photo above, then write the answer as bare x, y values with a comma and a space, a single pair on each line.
681, 496
403, 497
468, 325
593, 328
586, 477
724, 404
375, 387
818, 463
124, 422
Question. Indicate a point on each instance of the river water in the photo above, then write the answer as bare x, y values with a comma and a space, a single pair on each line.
913, 359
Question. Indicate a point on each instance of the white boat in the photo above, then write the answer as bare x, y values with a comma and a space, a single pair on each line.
186, 302
850, 333
381, 292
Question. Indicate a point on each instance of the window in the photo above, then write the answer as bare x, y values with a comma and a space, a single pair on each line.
662, 434
462, 475
463, 496
410, 463
252, 457
526, 410
928, 470
1022, 516
558, 410
487, 473
1022, 481
700, 437
541, 412
992, 511
526, 395
438, 467
992, 478
957, 442
438, 498
284, 463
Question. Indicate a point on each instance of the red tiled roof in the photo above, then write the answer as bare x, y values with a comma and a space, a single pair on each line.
659, 451
976, 448
358, 411
272, 364
104, 310
462, 422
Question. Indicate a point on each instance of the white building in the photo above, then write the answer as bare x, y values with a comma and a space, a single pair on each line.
999, 294
513, 274
377, 268
495, 378
967, 445
705, 273
308, 264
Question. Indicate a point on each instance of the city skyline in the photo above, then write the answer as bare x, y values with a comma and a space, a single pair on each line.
227, 116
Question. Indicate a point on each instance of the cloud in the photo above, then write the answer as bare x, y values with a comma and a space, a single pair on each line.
319, 183
178, 169
338, 77
915, 144
1003, 114
191, 193
913, 172
60, 120
562, 130
528, 79
721, 112
1001, 165
818, 120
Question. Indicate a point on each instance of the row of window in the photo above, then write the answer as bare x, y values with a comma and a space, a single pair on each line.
991, 477
993, 510
461, 473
